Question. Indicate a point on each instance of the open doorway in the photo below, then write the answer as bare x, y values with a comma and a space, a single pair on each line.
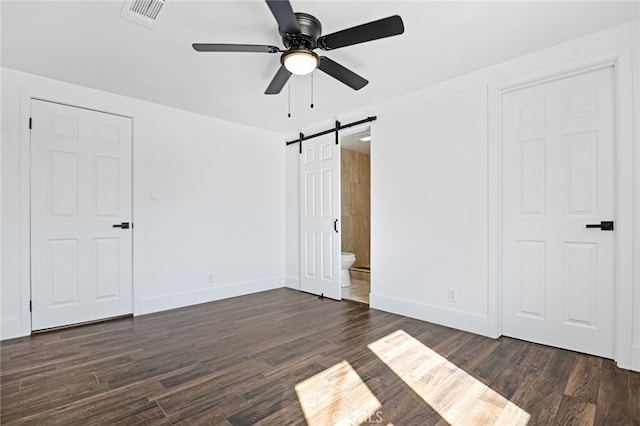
355, 176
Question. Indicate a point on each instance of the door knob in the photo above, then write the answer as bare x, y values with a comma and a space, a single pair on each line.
123, 225
604, 225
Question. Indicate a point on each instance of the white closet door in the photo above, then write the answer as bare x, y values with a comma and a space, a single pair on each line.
319, 216
81, 266
559, 176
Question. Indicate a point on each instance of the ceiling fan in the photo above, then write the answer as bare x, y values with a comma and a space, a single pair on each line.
301, 34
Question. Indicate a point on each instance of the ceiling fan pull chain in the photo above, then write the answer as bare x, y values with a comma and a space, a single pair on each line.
289, 90
312, 90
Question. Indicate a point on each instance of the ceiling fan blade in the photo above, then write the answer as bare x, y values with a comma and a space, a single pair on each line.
341, 73
217, 47
282, 11
374, 30
278, 82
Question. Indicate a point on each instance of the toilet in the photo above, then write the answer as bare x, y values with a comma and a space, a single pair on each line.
347, 259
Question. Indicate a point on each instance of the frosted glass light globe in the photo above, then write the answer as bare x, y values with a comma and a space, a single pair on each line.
301, 63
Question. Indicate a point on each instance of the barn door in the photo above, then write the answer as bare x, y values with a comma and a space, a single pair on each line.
319, 216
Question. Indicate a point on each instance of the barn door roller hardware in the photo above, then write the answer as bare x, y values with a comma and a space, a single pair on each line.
337, 127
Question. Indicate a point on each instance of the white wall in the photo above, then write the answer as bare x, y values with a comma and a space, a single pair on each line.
219, 208
429, 205
429, 198
292, 206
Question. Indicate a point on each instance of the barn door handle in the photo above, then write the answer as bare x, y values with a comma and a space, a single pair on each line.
123, 225
335, 225
604, 225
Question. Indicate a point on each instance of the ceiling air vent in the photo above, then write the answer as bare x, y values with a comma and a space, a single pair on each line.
143, 12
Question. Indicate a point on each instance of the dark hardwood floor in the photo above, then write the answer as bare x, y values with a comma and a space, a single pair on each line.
285, 357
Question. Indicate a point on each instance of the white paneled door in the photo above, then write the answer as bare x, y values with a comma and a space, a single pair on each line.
558, 276
81, 265
319, 217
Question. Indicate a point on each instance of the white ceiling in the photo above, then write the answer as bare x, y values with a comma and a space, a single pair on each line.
88, 43
354, 142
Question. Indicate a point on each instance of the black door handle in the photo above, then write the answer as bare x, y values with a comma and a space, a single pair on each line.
604, 225
335, 225
123, 225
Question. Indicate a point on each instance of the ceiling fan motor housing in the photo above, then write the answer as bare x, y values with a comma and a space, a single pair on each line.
310, 31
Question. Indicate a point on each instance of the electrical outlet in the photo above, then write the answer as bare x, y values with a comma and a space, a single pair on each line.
451, 296
210, 277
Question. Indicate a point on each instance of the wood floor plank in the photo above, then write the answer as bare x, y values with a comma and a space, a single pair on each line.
634, 389
488, 364
267, 408
207, 389
205, 412
521, 373
283, 357
549, 388
615, 403
584, 381
573, 411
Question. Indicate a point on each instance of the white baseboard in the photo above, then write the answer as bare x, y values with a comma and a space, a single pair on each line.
188, 298
460, 320
292, 282
11, 328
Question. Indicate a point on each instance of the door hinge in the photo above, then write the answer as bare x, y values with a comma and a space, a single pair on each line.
30, 306
30, 122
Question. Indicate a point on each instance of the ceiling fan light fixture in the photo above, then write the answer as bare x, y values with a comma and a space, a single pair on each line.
300, 62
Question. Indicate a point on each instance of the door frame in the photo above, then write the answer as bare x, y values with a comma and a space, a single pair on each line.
76, 101
357, 129
620, 60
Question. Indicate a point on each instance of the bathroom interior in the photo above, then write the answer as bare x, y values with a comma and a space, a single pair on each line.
356, 216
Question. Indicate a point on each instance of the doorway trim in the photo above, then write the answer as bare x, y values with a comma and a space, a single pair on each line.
354, 130
620, 60
79, 101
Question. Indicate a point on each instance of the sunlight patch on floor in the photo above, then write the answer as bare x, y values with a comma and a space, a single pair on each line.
337, 396
458, 397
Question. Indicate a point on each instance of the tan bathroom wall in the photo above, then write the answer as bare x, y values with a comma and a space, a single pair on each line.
356, 205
